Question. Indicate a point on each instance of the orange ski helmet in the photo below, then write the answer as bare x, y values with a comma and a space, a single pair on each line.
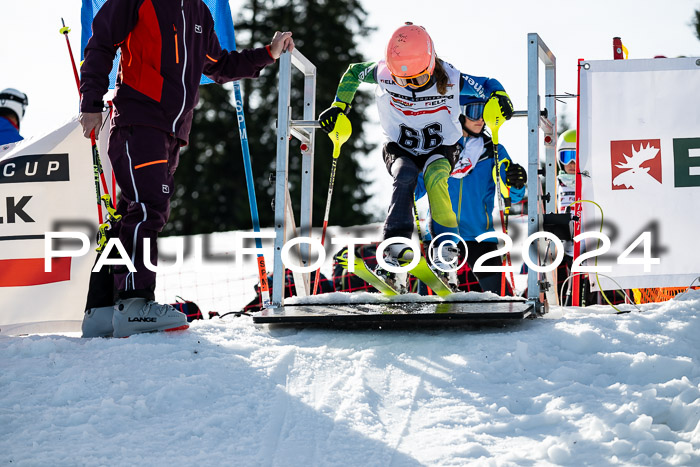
410, 53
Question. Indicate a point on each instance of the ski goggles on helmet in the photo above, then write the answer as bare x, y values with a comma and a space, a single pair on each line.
474, 111
414, 81
567, 155
22, 100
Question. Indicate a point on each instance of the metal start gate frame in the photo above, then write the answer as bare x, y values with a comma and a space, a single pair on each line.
545, 120
303, 130
285, 226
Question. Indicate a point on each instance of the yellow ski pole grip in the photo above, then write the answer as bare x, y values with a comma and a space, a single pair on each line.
493, 117
503, 186
340, 134
107, 200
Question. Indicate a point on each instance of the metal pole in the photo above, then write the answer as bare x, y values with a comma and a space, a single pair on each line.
307, 164
533, 106
538, 50
281, 179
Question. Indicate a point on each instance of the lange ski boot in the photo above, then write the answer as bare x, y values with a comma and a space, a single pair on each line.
97, 322
137, 315
445, 257
396, 255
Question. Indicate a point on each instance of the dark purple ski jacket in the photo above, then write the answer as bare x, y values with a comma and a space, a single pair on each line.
166, 45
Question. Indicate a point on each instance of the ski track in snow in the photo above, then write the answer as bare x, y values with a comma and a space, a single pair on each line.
577, 387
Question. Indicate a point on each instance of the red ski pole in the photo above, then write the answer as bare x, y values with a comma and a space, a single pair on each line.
325, 219
339, 135
494, 119
97, 164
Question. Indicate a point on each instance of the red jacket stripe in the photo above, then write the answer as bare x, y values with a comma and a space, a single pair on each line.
141, 70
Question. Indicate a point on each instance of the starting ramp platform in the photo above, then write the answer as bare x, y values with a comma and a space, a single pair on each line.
399, 314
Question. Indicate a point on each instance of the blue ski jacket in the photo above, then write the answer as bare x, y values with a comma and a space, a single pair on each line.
8, 132
473, 195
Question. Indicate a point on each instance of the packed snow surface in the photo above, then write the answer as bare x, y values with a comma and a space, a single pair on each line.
581, 386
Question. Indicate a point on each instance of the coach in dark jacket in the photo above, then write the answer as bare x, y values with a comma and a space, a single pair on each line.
164, 51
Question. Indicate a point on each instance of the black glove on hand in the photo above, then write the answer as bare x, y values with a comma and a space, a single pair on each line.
505, 103
516, 176
328, 117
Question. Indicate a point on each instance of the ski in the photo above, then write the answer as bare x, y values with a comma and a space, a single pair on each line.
421, 271
428, 276
367, 275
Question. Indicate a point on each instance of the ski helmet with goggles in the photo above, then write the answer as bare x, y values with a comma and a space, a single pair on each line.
15, 101
410, 56
473, 109
566, 148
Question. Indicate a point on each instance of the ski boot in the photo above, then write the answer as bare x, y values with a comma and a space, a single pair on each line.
137, 315
444, 258
97, 322
396, 255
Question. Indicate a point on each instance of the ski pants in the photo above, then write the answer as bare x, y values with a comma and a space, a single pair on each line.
144, 160
405, 167
489, 281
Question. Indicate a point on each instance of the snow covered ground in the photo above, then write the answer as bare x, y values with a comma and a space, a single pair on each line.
578, 387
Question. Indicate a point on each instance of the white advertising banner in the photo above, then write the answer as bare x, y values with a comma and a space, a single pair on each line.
46, 185
639, 155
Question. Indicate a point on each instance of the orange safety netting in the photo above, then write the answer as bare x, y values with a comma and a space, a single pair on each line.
657, 294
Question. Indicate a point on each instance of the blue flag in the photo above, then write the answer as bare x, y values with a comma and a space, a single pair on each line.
220, 11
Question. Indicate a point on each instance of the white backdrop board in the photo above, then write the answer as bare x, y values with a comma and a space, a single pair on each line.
639, 154
46, 185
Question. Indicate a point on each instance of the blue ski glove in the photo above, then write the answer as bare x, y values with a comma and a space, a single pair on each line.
328, 117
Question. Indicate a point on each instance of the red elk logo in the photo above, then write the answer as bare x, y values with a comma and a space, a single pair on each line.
632, 167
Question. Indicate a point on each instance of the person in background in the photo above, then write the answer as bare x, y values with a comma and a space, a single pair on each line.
472, 187
164, 52
13, 104
418, 97
566, 195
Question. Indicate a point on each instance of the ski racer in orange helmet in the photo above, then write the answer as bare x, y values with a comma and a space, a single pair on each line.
410, 56
418, 97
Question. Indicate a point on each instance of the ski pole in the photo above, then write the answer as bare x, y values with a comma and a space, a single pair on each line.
96, 163
340, 134
505, 194
420, 234
252, 201
494, 119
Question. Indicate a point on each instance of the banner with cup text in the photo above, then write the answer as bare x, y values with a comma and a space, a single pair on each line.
46, 185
